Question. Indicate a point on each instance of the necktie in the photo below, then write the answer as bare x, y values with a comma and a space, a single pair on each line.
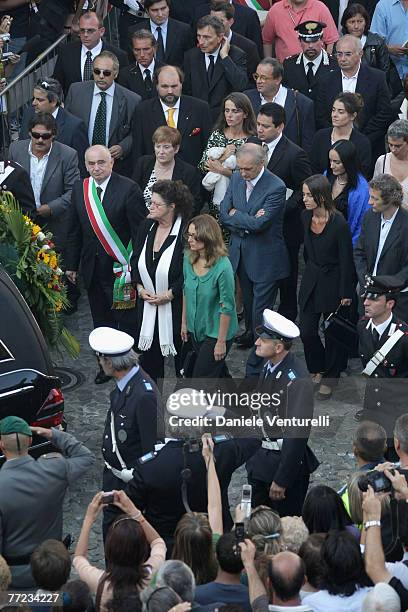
210, 70
376, 335
88, 66
99, 191
170, 118
249, 189
147, 80
160, 45
309, 73
99, 131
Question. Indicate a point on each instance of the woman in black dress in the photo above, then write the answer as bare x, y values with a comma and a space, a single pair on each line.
328, 280
157, 271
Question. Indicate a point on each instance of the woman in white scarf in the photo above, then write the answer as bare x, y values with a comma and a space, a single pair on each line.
157, 270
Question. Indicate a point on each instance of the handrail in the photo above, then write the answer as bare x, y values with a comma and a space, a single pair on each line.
33, 64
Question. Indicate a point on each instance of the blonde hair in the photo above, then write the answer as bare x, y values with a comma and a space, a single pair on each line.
294, 532
209, 233
355, 498
265, 530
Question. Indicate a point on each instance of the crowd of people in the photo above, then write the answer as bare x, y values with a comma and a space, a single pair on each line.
180, 174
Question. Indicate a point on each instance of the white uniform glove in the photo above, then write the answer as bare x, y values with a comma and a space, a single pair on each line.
125, 474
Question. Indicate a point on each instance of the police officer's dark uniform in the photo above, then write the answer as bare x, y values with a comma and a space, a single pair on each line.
385, 359
283, 458
15, 179
297, 74
131, 426
157, 480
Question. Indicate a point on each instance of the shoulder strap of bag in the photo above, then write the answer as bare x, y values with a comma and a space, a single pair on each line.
381, 354
99, 591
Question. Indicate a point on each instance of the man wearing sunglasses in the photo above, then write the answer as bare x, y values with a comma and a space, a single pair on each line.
74, 62
106, 108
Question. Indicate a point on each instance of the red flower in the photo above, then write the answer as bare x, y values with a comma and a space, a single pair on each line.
196, 131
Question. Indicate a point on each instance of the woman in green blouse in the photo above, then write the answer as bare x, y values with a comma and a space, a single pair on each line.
209, 314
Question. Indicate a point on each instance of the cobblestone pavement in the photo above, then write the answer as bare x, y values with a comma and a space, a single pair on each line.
86, 405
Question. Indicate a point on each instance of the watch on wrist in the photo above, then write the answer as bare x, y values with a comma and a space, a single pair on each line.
368, 524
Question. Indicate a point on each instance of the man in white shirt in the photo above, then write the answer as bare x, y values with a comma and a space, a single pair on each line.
349, 54
139, 76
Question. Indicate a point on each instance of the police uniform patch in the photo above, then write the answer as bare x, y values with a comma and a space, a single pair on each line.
291, 375
122, 435
147, 386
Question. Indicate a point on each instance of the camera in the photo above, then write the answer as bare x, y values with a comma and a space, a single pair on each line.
5, 37
108, 498
377, 480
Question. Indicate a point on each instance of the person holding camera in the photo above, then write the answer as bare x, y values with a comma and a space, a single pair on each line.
279, 472
383, 348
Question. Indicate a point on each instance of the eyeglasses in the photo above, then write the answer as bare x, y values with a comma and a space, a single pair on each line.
87, 30
43, 136
260, 77
98, 71
343, 53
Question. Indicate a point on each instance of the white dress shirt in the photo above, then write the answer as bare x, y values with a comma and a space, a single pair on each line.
316, 62
122, 382
279, 98
37, 171
143, 68
272, 146
95, 51
166, 108
94, 107
381, 327
207, 57
349, 83
385, 227
163, 26
251, 184
103, 186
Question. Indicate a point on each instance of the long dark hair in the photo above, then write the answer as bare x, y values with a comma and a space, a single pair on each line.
320, 190
343, 565
323, 510
242, 102
126, 551
193, 545
348, 157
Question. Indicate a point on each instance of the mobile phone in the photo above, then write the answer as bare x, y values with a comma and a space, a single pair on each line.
239, 532
108, 497
246, 499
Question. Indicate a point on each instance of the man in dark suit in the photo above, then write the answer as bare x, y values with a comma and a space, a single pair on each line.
71, 131
174, 38
279, 471
190, 116
299, 110
352, 75
139, 77
214, 68
15, 179
106, 108
225, 13
302, 72
53, 170
252, 211
246, 20
74, 61
291, 164
93, 245
382, 247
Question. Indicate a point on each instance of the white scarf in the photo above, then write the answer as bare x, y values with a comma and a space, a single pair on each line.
164, 310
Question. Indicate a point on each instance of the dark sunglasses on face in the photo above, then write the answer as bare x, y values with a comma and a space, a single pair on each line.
43, 136
98, 71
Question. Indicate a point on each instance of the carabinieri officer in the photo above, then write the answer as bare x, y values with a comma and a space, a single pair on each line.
131, 426
279, 471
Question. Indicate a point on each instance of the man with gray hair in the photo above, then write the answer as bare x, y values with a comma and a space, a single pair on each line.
252, 210
178, 576
354, 76
382, 598
131, 426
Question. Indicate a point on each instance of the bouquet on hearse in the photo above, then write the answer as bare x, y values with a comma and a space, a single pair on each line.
29, 257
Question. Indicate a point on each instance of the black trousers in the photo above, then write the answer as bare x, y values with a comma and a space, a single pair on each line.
205, 365
152, 361
288, 306
100, 293
329, 359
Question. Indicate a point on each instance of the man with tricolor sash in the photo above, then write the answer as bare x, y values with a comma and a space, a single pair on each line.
105, 213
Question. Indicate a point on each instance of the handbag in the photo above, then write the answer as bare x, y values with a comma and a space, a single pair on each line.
341, 331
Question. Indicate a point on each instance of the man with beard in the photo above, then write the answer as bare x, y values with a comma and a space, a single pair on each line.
302, 71
189, 115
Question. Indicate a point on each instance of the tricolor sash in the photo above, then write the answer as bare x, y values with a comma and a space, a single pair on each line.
124, 294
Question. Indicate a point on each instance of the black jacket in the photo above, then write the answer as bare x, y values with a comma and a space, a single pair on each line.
124, 206
132, 78
294, 75
329, 273
19, 184
194, 123
299, 111
178, 41
291, 382
182, 171
291, 164
68, 66
251, 51
156, 484
319, 155
230, 74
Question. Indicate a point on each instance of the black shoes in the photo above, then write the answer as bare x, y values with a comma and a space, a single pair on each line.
245, 340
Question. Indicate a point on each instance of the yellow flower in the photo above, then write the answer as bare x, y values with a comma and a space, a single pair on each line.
53, 261
27, 220
58, 306
35, 229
